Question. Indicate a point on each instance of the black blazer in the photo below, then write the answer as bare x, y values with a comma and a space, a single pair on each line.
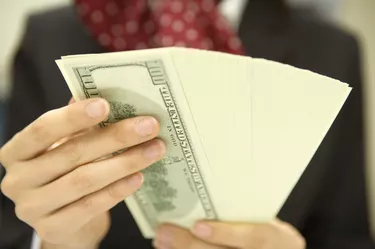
328, 205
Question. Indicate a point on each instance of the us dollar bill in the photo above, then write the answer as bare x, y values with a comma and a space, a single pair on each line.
176, 188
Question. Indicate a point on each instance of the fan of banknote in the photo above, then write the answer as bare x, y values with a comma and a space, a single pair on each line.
239, 131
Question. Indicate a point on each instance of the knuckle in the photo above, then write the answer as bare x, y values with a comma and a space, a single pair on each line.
115, 192
9, 184
39, 130
257, 239
71, 117
7, 154
132, 163
87, 203
27, 208
2, 156
74, 119
22, 211
121, 132
82, 180
72, 151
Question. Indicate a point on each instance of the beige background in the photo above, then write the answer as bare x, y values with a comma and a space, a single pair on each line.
356, 15
359, 15
12, 16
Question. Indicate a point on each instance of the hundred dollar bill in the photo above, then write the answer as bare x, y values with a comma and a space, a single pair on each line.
176, 189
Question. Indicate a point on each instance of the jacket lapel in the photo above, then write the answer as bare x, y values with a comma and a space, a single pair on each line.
265, 29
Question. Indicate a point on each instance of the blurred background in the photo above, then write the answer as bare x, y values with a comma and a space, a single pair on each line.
358, 16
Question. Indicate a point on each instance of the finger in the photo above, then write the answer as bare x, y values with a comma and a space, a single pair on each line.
79, 213
51, 127
93, 177
88, 147
71, 101
169, 236
238, 235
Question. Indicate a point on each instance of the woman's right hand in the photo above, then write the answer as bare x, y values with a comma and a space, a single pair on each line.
64, 192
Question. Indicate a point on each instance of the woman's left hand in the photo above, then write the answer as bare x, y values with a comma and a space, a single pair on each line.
220, 235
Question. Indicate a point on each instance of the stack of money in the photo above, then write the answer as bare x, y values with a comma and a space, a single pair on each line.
239, 131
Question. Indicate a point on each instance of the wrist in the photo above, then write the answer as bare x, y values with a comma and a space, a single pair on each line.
46, 245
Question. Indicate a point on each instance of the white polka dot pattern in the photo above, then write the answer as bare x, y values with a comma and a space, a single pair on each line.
189, 16
112, 9
97, 16
208, 5
165, 20
177, 7
193, 6
140, 24
149, 27
131, 27
104, 39
191, 34
207, 44
141, 45
118, 29
167, 41
181, 44
178, 26
119, 43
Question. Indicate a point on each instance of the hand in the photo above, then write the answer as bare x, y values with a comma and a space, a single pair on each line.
63, 191
221, 235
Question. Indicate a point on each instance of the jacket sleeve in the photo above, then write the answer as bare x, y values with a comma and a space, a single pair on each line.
339, 219
24, 105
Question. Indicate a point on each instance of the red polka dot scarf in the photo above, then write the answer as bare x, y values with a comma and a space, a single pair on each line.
121, 25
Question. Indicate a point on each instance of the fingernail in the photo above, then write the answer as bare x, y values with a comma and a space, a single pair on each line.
202, 230
135, 180
154, 150
145, 126
96, 108
163, 238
